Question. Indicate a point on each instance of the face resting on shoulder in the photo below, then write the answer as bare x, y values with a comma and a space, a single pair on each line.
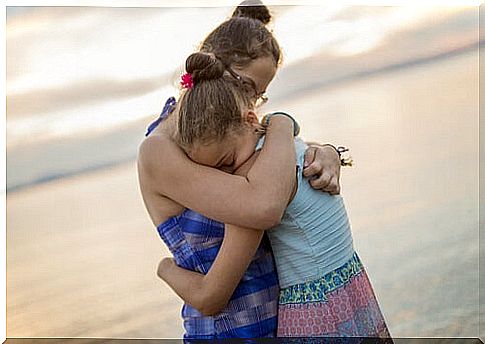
260, 70
230, 153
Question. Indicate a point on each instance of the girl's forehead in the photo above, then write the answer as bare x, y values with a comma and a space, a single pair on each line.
211, 154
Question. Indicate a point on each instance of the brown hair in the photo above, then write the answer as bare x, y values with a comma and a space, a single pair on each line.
213, 106
244, 37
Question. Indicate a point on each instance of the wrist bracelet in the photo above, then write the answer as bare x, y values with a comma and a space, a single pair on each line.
266, 119
344, 160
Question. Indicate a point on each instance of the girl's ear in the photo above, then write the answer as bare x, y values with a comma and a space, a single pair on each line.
251, 118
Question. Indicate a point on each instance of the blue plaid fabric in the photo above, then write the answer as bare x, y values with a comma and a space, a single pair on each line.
167, 109
194, 241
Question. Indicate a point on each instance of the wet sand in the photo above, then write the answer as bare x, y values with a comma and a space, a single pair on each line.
82, 254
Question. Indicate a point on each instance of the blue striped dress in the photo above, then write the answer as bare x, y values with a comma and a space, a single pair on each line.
194, 241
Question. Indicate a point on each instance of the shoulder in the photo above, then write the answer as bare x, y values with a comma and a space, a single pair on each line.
300, 144
149, 149
300, 149
158, 152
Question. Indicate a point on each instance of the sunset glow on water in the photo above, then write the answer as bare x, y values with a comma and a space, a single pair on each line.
77, 70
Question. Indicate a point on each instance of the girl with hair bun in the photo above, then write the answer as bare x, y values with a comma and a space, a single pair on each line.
176, 191
325, 291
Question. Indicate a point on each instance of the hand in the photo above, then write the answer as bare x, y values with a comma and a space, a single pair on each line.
164, 266
322, 167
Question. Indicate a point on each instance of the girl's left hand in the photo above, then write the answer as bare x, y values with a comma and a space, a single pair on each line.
322, 167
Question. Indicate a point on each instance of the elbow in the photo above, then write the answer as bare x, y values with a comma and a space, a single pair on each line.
211, 310
269, 216
210, 305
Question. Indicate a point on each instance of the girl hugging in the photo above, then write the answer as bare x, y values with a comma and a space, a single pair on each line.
324, 289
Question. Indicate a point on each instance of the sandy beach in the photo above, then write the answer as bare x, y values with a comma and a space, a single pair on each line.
82, 253
82, 256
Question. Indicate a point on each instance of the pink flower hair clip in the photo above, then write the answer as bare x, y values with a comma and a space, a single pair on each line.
186, 81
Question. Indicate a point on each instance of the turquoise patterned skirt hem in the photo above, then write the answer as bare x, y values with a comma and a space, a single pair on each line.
342, 303
316, 290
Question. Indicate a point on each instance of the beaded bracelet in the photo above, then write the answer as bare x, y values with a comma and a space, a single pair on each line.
344, 160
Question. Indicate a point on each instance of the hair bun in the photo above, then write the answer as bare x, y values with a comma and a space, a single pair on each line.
204, 66
254, 9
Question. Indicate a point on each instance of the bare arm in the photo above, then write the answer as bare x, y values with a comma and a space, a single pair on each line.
210, 293
255, 201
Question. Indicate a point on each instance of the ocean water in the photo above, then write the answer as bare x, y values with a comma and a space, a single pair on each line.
83, 82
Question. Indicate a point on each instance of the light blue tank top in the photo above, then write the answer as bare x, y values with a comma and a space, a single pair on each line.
314, 235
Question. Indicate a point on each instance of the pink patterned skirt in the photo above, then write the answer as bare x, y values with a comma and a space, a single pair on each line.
339, 304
